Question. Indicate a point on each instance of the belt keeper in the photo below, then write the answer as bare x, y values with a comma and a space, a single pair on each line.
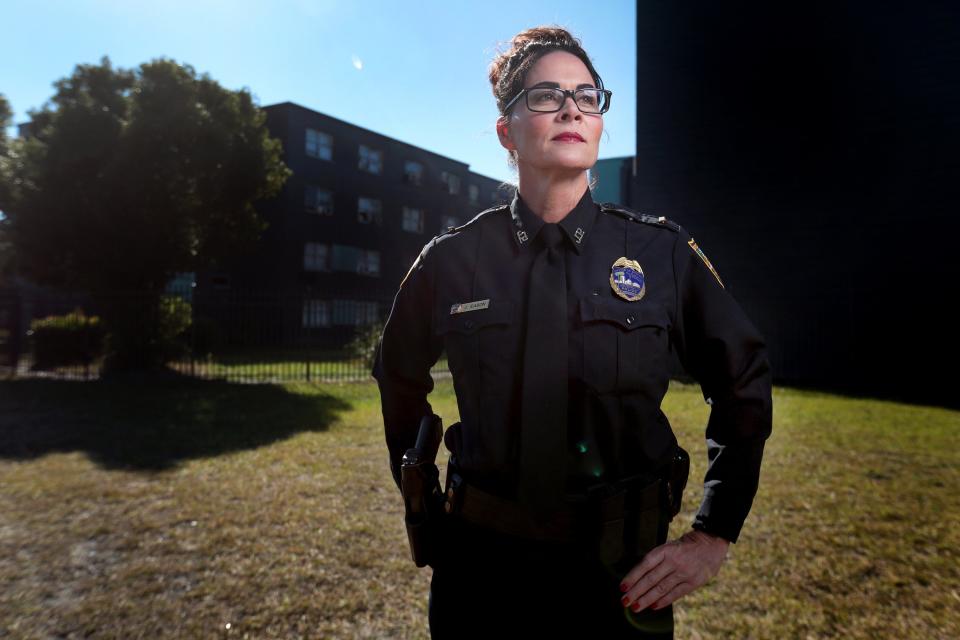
453, 496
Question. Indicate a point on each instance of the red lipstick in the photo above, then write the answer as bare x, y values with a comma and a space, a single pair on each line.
571, 136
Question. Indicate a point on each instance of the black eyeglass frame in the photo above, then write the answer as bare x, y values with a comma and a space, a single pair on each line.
566, 92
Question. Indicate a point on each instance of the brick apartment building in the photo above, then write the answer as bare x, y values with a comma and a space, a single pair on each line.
344, 230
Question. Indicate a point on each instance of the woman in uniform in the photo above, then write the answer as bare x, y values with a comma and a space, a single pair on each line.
559, 317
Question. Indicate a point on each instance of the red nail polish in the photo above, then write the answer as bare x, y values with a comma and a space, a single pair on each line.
624, 586
636, 607
625, 600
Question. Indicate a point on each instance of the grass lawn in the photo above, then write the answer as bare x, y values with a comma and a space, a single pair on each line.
202, 509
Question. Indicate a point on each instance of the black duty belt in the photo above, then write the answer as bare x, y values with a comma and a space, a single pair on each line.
598, 514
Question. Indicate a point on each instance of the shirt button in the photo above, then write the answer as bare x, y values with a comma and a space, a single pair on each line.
629, 319
468, 324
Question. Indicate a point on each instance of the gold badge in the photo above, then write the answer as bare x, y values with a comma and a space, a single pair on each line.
693, 245
626, 279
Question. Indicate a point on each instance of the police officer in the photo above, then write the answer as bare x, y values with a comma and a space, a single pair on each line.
558, 316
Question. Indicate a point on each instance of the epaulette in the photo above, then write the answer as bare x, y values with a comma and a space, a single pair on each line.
636, 216
475, 218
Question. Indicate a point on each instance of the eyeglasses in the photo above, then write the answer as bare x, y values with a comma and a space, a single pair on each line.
548, 99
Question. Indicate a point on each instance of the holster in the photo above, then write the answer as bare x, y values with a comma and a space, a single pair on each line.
634, 519
422, 495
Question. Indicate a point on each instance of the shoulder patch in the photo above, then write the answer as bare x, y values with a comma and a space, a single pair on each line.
476, 218
636, 216
699, 252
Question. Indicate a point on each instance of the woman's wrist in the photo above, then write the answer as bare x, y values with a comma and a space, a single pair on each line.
699, 535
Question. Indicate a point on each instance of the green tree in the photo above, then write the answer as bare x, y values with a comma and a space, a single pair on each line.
131, 176
6, 115
6, 248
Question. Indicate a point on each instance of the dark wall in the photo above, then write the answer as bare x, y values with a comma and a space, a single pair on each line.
811, 149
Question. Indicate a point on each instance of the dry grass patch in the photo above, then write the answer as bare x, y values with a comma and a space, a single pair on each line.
175, 509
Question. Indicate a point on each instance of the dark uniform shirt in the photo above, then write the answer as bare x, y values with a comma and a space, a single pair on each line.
619, 353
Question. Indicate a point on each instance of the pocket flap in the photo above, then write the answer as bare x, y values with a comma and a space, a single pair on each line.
499, 312
628, 315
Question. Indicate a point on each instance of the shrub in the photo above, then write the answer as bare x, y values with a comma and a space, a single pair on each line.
207, 337
145, 332
66, 340
175, 318
364, 343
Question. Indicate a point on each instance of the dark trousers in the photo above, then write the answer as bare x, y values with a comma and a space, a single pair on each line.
487, 584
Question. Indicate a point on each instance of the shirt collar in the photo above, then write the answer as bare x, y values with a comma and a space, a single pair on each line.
576, 224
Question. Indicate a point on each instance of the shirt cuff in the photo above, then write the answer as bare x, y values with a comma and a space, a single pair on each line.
730, 533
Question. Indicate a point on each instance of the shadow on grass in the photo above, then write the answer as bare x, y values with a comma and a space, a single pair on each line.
152, 422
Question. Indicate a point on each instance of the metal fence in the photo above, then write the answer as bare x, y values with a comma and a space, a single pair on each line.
236, 335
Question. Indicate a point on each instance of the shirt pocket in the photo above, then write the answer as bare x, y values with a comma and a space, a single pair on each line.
468, 334
625, 344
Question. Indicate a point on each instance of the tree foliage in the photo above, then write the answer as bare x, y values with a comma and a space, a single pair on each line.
6, 247
129, 176
6, 115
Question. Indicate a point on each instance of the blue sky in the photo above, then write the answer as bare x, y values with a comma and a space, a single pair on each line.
413, 71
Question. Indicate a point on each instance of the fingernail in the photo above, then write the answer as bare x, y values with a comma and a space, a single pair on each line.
636, 606
624, 586
625, 600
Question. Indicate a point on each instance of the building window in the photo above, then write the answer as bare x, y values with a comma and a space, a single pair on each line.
369, 262
315, 256
316, 313
448, 221
356, 260
181, 285
345, 258
368, 312
369, 210
355, 312
344, 312
474, 192
412, 172
370, 160
317, 200
319, 145
451, 181
413, 220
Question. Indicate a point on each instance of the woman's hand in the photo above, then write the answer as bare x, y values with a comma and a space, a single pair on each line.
674, 569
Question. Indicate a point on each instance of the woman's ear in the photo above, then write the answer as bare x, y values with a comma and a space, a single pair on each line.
503, 132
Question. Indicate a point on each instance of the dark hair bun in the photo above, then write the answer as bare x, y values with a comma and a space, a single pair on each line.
509, 68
